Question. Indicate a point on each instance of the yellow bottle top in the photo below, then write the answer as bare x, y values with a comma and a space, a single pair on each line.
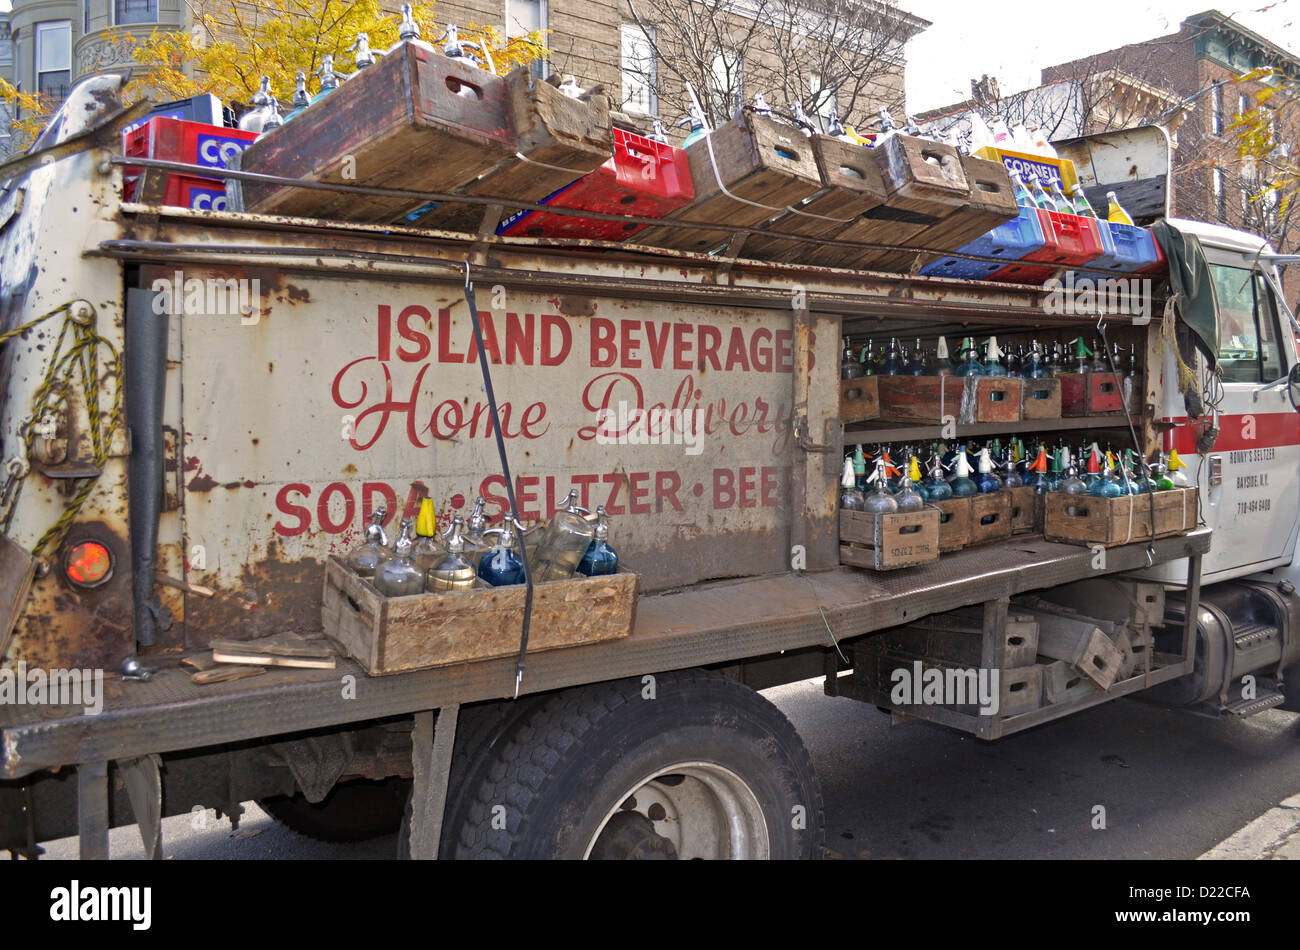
426, 524
914, 469
852, 133
1175, 463
1115, 213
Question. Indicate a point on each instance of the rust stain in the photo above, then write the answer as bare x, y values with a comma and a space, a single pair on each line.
202, 483
573, 305
297, 294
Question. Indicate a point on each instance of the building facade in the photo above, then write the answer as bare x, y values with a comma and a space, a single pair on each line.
1201, 63
599, 42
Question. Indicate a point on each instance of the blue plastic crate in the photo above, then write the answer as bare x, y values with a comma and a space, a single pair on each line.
1127, 249
1010, 241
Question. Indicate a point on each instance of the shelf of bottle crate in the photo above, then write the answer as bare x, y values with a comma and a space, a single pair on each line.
876, 431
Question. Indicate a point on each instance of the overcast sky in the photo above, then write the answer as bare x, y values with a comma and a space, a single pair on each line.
1013, 42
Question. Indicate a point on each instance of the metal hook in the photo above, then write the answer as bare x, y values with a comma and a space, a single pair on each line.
1151, 555
467, 281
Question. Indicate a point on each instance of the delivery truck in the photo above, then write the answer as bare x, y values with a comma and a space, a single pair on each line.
203, 408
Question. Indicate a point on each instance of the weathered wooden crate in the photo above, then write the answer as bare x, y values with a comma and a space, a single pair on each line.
1083, 519
958, 637
886, 542
1040, 398
851, 184
875, 676
968, 399
1081, 644
401, 123
926, 182
954, 523
991, 202
1063, 682
990, 517
859, 398
396, 634
745, 172
560, 139
1090, 394
1026, 510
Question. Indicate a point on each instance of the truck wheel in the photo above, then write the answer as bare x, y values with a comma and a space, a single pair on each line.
352, 811
683, 765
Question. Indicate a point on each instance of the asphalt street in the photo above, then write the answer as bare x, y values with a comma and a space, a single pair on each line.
1171, 785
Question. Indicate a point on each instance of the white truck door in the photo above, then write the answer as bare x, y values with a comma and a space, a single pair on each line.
1250, 480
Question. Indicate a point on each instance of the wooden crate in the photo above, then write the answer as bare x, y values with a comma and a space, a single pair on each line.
958, 637
1040, 398
990, 517
1063, 682
1026, 510
886, 542
991, 202
1081, 644
859, 398
851, 185
968, 399
400, 124
744, 172
396, 634
924, 183
560, 140
954, 523
1090, 394
1020, 689
1083, 519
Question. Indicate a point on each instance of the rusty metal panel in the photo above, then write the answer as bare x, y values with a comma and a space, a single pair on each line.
344, 394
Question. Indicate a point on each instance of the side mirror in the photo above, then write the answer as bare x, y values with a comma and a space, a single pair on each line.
1293, 386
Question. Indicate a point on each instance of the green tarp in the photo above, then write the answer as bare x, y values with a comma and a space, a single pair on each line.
1189, 278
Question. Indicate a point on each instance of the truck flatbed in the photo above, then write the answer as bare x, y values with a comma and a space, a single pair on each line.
720, 622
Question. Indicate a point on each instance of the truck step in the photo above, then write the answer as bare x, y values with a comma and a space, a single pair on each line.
1249, 707
1249, 634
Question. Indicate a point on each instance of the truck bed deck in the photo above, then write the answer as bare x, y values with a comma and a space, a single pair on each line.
717, 622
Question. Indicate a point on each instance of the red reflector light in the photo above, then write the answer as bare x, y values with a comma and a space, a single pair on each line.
88, 564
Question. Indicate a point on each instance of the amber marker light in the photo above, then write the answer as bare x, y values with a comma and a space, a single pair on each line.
88, 564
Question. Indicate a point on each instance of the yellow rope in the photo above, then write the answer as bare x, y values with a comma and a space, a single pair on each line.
83, 359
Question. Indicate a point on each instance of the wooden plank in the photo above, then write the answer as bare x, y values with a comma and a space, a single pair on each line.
401, 123
967, 399
954, 523
1040, 398
560, 139
1026, 510
744, 172
990, 517
859, 399
1063, 683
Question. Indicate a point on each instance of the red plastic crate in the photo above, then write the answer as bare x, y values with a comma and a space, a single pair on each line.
1068, 239
644, 178
176, 140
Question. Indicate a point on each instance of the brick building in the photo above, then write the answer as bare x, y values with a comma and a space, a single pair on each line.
1210, 183
57, 42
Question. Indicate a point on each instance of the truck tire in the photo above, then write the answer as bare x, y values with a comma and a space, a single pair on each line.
682, 765
352, 811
